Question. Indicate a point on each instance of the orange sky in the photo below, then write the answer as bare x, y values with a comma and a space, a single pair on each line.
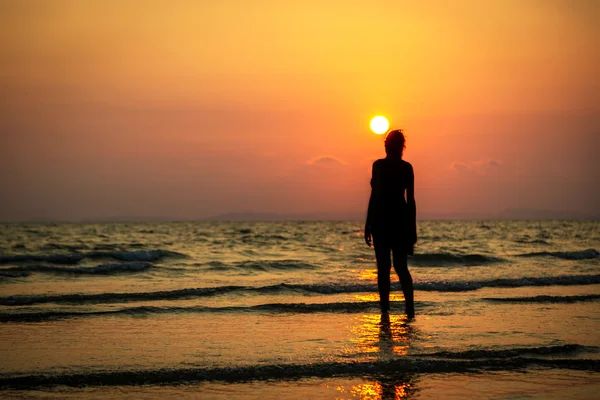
187, 109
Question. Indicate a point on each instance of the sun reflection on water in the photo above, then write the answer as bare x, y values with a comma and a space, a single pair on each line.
378, 390
379, 337
375, 297
368, 275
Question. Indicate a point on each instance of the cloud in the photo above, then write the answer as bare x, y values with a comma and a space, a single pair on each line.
479, 167
326, 161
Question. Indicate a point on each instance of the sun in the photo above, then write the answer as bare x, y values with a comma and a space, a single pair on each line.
379, 125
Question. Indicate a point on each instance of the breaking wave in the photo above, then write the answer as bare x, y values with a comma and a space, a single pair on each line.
295, 308
450, 286
260, 265
102, 269
12, 273
75, 258
531, 241
54, 259
566, 255
443, 362
458, 286
515, 352
447, 258
545, 299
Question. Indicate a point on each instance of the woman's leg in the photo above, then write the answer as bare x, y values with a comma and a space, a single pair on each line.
384, 266
401, 267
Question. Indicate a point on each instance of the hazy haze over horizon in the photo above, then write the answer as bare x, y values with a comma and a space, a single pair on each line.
192, 109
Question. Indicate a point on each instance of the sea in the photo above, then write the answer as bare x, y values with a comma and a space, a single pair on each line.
265, 310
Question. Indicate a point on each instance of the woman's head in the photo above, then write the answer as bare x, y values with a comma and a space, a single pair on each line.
395, 143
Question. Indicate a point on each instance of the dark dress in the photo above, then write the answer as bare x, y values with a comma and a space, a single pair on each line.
391, 219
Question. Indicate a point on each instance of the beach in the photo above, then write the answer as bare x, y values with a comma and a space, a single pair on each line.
220, 310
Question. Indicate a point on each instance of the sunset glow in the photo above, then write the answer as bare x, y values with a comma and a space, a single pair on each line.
192, 109
299, 199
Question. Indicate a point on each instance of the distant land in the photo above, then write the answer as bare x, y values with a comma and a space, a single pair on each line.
509, 214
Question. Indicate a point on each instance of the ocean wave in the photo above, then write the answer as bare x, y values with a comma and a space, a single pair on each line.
11, 273
260, 265
98, 298
262, 238
294, 308
75, 258
461, 286
140, 255
514, 352
565, 255
446, 362
545, 299
531, 241
102, 269
69, 247
447, 258
450, 286
67, 259
562, 280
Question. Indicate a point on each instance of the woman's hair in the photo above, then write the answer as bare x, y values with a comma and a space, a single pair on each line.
395, 142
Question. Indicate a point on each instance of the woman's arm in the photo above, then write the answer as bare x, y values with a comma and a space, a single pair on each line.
370, 209
412, 204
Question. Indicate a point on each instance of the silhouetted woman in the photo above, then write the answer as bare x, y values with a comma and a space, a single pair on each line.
391, 219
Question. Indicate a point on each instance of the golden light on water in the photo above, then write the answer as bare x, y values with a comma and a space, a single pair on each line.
375, 390
379, 125
380, 337
374, 297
